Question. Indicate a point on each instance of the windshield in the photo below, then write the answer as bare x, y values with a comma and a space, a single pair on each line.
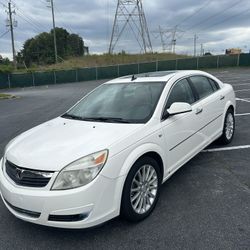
122, 103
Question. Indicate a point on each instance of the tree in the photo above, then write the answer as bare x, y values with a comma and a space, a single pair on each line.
40, 49
4, 61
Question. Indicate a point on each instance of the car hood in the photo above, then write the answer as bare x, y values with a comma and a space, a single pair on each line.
55, 144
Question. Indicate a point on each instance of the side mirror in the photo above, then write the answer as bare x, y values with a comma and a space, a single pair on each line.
177, 108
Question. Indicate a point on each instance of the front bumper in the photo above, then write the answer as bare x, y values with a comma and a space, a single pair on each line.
98, 202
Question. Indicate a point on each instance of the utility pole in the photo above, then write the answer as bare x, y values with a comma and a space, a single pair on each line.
195, 43
202, 49
54, 28
10, 12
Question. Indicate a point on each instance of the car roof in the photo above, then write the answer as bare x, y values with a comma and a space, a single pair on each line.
159, 76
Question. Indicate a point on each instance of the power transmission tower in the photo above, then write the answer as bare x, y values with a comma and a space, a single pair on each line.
173, 42
12, 23
166, 35
54, 27
130, 13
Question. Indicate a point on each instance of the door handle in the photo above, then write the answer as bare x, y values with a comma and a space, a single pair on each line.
198, 111
222, 97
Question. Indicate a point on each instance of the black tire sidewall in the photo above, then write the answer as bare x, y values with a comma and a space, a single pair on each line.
127, 210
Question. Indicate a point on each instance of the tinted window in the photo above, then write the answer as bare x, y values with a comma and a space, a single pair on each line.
202, 86
181, 92
131, 102
214, 84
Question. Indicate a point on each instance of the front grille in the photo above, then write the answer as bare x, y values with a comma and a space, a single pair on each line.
27, 177
24, 211
68, 218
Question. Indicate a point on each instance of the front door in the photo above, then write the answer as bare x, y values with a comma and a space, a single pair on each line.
182, 138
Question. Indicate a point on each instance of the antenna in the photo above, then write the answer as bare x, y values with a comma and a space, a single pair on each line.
130, 14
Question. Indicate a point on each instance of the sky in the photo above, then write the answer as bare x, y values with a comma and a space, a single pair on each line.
218, 24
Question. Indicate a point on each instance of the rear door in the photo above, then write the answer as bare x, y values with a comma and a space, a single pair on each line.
212, 101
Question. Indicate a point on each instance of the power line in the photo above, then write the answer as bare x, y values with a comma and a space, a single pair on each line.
227, 19
196, 12
214, 15
65, 25
4, 33
35, 27
29, 18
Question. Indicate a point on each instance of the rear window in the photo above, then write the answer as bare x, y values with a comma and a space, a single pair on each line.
214, 84
202, 86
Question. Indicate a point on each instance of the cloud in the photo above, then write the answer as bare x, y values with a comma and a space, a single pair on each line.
218, 24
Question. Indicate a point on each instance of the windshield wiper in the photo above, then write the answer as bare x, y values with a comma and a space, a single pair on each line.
106, 119
74, 117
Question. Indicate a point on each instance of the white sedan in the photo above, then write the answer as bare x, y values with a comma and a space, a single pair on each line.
109, 154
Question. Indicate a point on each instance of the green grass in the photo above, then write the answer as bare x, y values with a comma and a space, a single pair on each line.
106, 60
6, 96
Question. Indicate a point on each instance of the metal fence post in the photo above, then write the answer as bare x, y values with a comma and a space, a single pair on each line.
9, 81
238, 60
156, 65
176, 63
118, 70
138, 68
54, 73
33, 78
77, 75
197, 62
218, 61
96, 73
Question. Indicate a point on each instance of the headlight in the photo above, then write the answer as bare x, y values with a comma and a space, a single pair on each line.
80, 172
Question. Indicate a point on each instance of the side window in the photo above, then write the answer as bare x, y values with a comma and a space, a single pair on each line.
181, 92
202, 86
214, 84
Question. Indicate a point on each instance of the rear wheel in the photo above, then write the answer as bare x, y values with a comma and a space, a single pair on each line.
229, 128
141, 190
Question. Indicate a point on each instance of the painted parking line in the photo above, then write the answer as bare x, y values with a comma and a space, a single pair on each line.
241, 99
244, 114
242, 90
225, 149
240, 84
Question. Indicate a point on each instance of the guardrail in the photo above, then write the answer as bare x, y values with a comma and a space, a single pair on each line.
16, 80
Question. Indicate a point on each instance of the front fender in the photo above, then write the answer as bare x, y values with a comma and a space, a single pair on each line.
138, 152
120, 164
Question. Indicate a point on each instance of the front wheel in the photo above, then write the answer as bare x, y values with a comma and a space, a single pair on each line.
229, 128
141, 190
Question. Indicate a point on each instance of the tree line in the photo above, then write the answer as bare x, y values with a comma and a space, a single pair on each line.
39, 50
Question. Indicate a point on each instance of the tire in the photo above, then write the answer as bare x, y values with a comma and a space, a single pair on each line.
146, 195
228, 128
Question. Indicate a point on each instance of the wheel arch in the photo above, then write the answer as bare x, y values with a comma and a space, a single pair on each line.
150, 150
157, 158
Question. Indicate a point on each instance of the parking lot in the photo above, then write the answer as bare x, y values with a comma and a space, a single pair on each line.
204, 205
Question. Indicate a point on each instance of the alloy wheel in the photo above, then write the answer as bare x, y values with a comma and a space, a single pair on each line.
144, 189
